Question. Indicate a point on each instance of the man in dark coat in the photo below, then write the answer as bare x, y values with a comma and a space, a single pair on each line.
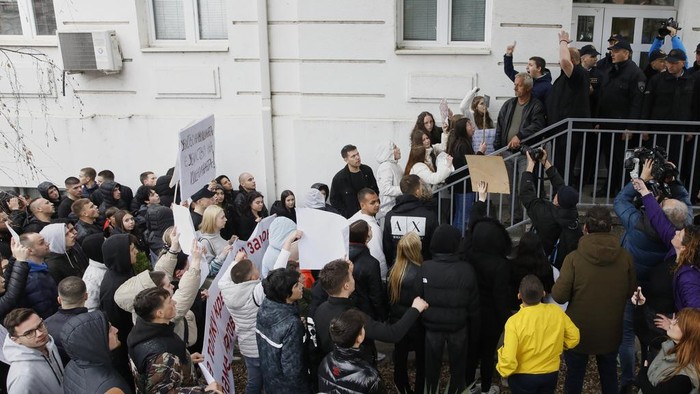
410, 213
450, 288
50, 192
72, 295
354, 177
73, 194
42, 211
246, 185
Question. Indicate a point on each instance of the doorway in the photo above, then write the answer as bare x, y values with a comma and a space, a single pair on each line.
594, 25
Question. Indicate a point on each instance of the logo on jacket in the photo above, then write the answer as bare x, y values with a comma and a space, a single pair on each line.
336, 371
402, 225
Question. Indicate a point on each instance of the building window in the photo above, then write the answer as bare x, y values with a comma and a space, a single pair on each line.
440, 23
27, 18
189, 21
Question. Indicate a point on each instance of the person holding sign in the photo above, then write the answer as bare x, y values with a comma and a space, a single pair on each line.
216, 248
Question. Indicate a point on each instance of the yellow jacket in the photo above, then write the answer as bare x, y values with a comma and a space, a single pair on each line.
534, 339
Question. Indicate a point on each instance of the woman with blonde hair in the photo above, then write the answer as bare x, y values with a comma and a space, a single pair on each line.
216, 248
675, 369
403, 288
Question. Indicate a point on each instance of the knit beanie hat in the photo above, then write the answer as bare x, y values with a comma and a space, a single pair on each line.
568, 197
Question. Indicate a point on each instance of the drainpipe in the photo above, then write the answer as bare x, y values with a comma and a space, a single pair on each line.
266, 102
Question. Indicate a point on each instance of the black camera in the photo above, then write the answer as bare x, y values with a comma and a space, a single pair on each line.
670, 22
536, 153
662, 171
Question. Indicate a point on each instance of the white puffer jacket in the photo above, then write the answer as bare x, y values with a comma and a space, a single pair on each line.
389, 176
242, 301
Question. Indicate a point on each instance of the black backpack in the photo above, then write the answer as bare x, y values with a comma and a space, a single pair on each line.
568, 242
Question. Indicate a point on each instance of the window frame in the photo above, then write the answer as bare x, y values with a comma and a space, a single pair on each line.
29, 36
443, 43
192, 33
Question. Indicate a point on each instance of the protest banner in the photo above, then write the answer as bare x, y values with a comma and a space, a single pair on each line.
195, 165
219, 328
490, 169
326, 237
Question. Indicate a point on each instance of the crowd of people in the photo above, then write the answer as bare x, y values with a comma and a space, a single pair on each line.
98, 296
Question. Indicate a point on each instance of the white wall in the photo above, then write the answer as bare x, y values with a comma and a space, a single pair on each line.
336, 78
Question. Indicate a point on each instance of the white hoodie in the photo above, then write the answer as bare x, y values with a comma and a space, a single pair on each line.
388, 177
31, 371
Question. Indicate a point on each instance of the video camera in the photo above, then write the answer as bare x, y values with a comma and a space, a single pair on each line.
662, 171
663, 32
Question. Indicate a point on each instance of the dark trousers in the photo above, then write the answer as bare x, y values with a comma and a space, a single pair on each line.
486, 350
435, 342
414, 340
524, 383
576, 369
617, 175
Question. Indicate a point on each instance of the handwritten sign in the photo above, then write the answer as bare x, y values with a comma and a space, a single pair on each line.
195, 162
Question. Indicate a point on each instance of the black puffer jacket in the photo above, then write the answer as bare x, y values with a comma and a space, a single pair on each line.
409, 291
158, 219
63, 265
344, 370
370, 296
85, 340
106, 190
280, 336
84, 229
41, 291
165, 192
15, 283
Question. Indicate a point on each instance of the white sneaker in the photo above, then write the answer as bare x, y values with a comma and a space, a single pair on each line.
494, 390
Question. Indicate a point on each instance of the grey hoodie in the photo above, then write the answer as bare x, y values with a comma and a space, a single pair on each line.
280, 229
31, 371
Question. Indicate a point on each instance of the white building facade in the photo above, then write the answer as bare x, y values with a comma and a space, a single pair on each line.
289, 81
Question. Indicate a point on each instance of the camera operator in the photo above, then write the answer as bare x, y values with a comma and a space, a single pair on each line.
641, 240
669, 28
548, 217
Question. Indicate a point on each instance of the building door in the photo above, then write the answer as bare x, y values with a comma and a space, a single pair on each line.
594, 25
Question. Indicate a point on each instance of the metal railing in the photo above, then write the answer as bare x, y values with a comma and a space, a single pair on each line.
595, 138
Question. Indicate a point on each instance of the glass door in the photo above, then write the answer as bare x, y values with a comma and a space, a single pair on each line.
587, 27
639, 27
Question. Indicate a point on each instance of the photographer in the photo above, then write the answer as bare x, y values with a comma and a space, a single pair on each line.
641, 240
549, 218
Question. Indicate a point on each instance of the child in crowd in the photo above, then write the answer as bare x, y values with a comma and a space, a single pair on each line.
534, 340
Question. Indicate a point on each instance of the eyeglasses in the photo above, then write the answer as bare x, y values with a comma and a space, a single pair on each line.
31, 334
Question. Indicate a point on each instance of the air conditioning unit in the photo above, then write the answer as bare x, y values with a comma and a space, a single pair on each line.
90, 51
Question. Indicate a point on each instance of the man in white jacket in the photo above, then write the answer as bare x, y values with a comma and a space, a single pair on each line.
369, 207
35, 365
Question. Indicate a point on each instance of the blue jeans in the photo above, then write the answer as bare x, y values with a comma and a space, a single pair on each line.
576, 369
255, 381
627, 353
463, 210
525, 383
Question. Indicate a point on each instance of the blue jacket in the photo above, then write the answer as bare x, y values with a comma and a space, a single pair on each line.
41, 291
540, 87
676, 43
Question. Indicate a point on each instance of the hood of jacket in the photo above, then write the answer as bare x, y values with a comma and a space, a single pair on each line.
55, 235
16, 352
92, 247
406, 203
163, 186
44, 190
488, 236
600, 248
280, 228
385, 152
85, 339
241, 293
545, 78
116, 255
314, 199
445, 239
106, 189
159, 218
356, 250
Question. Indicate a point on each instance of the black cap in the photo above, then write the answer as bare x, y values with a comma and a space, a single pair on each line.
622, 44
203, 193
589, 50
616, 37
657, 54
676, 55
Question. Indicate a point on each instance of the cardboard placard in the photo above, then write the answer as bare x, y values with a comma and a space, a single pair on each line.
492, 170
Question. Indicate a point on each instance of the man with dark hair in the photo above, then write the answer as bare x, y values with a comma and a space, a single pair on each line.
40, 293
344, 369
42, 211
35, 365
50, 192
596, 280
351, 179
280, 334
243, 293
337, 280
533, 341
72, 294
148, 178
536, 67
73, 194
369, 207
87, 213
87, 177
449, 286
159, 355
550, 218
411, 213
370, 296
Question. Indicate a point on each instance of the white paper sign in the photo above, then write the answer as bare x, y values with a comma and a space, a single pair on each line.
13, 233
195, 164
183, 222
326, 237
480, 135
256, 245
